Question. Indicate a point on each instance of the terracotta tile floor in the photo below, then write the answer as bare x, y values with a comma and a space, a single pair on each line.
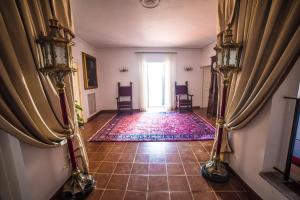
153, 170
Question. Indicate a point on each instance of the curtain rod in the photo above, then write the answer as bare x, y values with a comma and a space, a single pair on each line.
156, 52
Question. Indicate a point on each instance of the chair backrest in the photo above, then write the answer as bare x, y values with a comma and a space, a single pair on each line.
181, 89
124, 91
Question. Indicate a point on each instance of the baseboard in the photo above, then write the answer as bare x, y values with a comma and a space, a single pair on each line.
289, 189
108, 111
115, 111
57, 195
105, 111
93, 116
247, 187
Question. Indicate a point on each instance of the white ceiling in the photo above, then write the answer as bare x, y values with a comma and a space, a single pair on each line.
126, 23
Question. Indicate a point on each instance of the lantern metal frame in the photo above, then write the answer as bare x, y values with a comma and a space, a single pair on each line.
214, 169
48, 46
80, 184
223, 51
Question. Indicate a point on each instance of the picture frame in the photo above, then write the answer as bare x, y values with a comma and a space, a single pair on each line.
89, 71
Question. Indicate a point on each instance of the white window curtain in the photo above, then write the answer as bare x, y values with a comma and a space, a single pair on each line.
143, 83
170, 75
169, 59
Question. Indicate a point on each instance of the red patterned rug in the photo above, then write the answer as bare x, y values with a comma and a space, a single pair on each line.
161, 126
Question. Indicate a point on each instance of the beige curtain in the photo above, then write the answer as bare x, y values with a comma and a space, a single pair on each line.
270, 34
29, 104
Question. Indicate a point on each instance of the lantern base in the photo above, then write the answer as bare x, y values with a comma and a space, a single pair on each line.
215, 171
78, 186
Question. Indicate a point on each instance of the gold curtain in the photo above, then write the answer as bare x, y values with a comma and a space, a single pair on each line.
270, 34
29, 104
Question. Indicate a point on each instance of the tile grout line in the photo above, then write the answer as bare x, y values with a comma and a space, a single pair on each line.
185, 172
155, 175
165, 191
199, 164
104, 157
147, 189
213, 191
205, 148
209, 152
168, 179
228, 182
105, 188
107, 181
129, 174
148, 178
195, 155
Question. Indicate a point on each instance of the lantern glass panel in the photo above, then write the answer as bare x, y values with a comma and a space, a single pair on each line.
214, 66
48, 54
219, 57
222, 57
60, 55
233, 56
226, 56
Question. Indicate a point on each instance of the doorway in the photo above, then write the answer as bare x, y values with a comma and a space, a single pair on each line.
156, 85
157, 72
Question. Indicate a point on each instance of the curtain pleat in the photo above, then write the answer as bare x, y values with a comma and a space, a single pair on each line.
270, 34
29, 104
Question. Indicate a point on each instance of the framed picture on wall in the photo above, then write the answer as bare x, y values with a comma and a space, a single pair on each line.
89, 71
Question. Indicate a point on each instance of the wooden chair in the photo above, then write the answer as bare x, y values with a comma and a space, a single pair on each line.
184, 100
124, 99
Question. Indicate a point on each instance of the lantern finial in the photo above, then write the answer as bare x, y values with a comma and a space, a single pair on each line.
54, 27
228, 36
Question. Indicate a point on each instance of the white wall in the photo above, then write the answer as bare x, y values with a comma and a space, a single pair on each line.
29, 172
82, 46
13, 184
262, 144
281, 124
110, 60
207, 52
45, 169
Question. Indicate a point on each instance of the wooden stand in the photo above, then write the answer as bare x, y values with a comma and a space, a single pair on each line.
213, 90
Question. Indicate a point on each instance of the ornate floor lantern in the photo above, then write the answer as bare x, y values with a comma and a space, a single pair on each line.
56, 50
228, 56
